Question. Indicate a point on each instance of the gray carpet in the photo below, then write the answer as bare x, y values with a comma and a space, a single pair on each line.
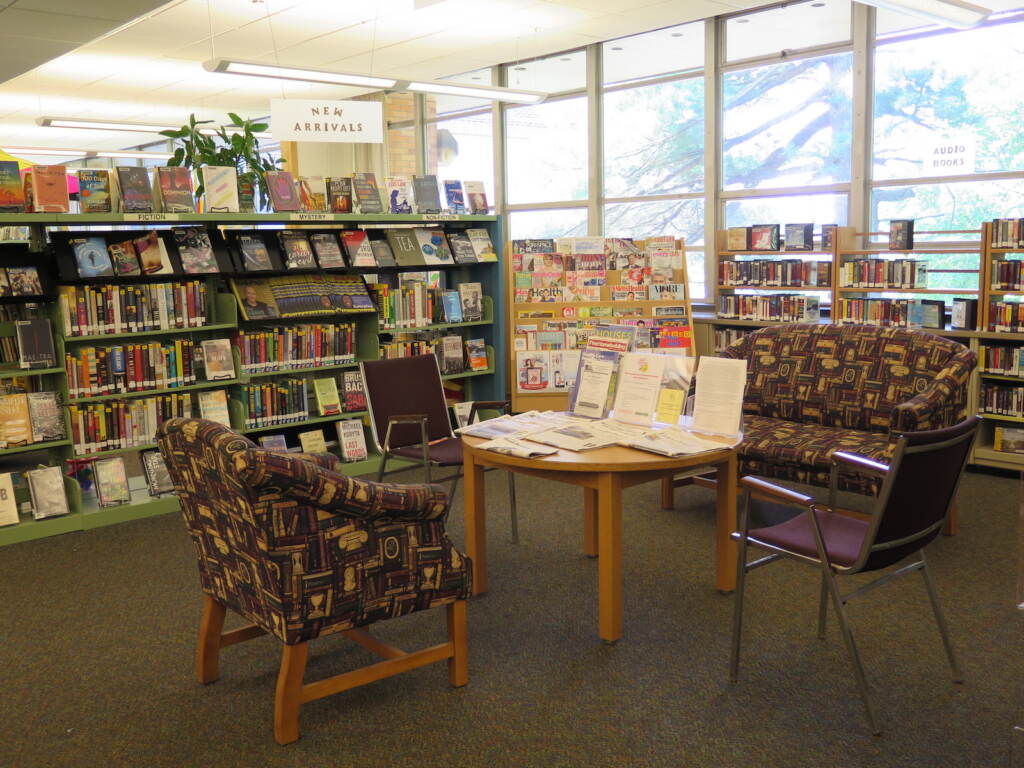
98, 629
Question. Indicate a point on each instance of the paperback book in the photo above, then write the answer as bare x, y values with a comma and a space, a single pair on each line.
367, 193
136, 192
339, 194
476, 198
354, 391
15, 421
482, 245
471, 298
476, 354
218, 361
327, 250
111, 482
454, 197
357, 246
213, 405
35, 343
124, 259
382, 254
313, 441
254, 253
297, 252
281, 187
450, 355
425, 193
174, 187
24, 281
46, 486
433, 245
405, 247
50, 189
12, 191
158, 479
462, 248
452, 304
220, 188
399, 194
153, 254
313, 194
255, 299
94, 191
195, 251
327, 399
92, 257
352, 440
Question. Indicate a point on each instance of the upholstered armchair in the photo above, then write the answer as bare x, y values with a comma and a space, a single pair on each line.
302, 551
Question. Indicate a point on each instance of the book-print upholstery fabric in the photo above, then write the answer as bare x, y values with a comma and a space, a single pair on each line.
815, 389
300, 549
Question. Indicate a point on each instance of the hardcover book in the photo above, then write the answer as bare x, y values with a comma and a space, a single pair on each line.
354, 391
35, 343
195, 251
255, 299
8, 504
462, 248
433, 246
47, 417
357, 246
153, 254
50, 189
901, 234
737, 239
111, 482
313, 441
136, 193
454, 197
5, 284
339, 194
452, 304
352, 440
1008, 439
92, 257
281, 187
405, 247
476, 198
218, 362
24, 281
220, 188
382, 253
274, 443
297, 252
15, 421
213, 405
450, 355
327, 399
94, 191
254, 253
174, 185
476, 353
471, 297
367, 193
12, 191
424, 190
313, 194
964, 314
46, 487
799, 237
327, 250
158, 479
399, 194
828, 236
764, 237
124, 259
482, 244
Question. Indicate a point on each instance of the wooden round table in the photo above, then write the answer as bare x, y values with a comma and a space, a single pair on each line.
602, 473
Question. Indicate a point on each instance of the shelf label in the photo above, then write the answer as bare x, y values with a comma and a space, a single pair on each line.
151, 217
311, 217
440, 217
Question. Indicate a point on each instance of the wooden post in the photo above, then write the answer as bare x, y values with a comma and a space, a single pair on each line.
590, 537
725, 547
208, 648
476, 523
609, 524
458, 664
289, 693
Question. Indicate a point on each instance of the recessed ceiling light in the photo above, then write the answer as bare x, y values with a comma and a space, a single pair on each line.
475, 77
742, 21
520, 69
616, 48
565, 58
817, 5
677, 34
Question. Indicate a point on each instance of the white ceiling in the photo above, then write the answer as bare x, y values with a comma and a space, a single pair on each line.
151, 69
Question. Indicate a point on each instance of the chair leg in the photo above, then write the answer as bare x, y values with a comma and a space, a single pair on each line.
289, 693
940, 619
952, 525
737, 616
822, 608
458, 664
851, 648
383, 465
513, 514
208, 648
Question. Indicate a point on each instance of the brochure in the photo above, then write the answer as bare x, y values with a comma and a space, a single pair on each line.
638, 388
718, 407
594, 381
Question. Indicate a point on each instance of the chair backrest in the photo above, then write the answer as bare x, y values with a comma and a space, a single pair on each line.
849, 376
406, 386
917, 492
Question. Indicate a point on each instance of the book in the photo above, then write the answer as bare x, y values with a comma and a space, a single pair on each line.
382, 253
476, 198
433, 245
354, 391
476, 354
254, 253
50, 189
5, 284
352, 440
174, 188
12, 190
281, 187
482, 245
111, 482
213, 405
220, 188
964, 314
327, 250
255, 299
327, 399
218, 361
450, 355
195, 250
452, 305
471, 297
405, 247
46, 486
46, 417
24, 281
94, 191
799, 237
313, 441
153, 254
15, 420
764, 237
425, 194
136, 192
737, 239
339, 194
313, 194
399, 194
926, 313
158, 479
454, 197
367, 193
901, 234
8, 504
828, 236
461, 248
92, 257
273, 443
357, 246
124, 259
35, 343
297, 252
1008, 439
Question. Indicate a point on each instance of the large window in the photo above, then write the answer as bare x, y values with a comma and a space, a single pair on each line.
566, 222
546, 148
788, 27
463, 148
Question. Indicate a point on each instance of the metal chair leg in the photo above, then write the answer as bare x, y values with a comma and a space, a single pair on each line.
940, 619
822, 608
737, 615
513, 514
383, 465
851, 648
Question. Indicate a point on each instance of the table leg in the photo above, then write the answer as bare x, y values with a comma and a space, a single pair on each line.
725, 547
590, 522
668, 492
609, 541
476, 524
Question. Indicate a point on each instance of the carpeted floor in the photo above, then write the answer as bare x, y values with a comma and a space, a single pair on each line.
97, 635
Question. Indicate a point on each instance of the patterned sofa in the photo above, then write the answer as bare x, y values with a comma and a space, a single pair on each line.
301, 551
815, 389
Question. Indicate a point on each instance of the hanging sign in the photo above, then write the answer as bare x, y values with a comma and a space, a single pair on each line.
348, 121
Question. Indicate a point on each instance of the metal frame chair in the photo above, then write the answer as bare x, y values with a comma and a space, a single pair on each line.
422, 429
917, 490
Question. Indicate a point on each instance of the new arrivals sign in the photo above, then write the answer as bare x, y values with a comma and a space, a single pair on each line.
302, 120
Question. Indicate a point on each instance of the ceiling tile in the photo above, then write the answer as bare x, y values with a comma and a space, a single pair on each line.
113, 10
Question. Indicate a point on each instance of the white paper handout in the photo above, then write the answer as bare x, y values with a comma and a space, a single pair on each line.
592, 384
636, 395
718, 407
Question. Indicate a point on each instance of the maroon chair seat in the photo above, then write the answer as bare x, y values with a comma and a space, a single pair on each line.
446, 453
843, 535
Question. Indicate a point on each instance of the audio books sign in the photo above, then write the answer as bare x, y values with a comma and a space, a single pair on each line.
951, 156
350, 121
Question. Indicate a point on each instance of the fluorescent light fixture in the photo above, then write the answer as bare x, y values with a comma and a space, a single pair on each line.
128, 154
254, 69
132, 155
46, 151
120, 125
948, 13
476, 91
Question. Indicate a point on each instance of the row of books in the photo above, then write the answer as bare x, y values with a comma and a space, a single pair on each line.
20, 281
1003, 360
46, 494
418, 305
1007, 275
788, 273
267, 298
98, 371
768, 237
1006, 316
1007, 233
784, 307
907, 313
286, 401
32, 417
97, 256
883, 273
454, 354
91, 310
296, 346
351, 441
726, 337
1001, 399
22, 311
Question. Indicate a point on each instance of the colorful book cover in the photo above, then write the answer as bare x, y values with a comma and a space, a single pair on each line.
450, 355
195, 251
111, 482
461, 247
629, 293
476, 198
12, 191
220, 188
136, 192
327, 399
367, 193
313, 194
213, 405
425, 194
50, 189
297, 252
357, 246
355, 391
176, 192
339, 194
153, 254
255, 298
399, 194
254, 253
94, 190
92, 257
158, 479
327, 250
454, 197
352, 440
476, 353
218, 361
15, 422
281, 187
452, 306
24, 281
433, 245
482, 244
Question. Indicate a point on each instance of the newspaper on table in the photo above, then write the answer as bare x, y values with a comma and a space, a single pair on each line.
514, 446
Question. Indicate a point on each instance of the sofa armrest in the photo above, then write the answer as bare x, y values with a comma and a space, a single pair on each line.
323, 460
943, 403
311, 483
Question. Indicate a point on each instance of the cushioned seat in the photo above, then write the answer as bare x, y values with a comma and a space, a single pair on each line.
844, 536
445, 453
